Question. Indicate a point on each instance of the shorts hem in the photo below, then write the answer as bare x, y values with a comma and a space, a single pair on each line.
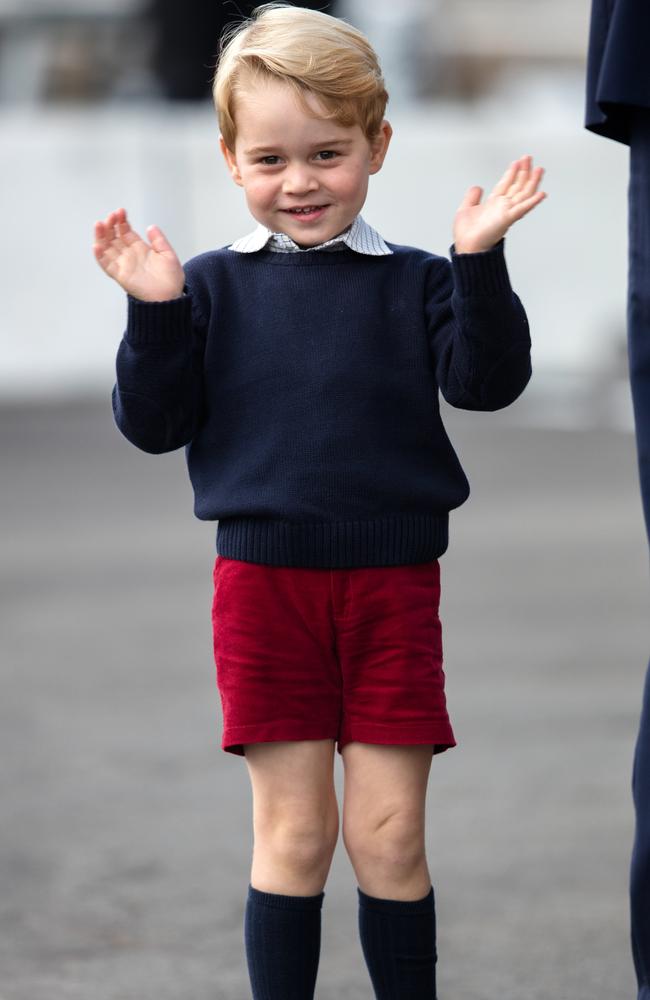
441, 738
233, 739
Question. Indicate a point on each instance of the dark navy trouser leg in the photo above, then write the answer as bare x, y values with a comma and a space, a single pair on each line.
640, 868
639, 356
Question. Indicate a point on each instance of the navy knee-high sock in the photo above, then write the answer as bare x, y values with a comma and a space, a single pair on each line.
282, 935
398, 938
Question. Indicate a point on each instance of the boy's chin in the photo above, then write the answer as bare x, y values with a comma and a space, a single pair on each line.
313, 237
309, 240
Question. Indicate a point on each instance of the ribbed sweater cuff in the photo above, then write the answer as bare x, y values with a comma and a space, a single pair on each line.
483, 273
158, 322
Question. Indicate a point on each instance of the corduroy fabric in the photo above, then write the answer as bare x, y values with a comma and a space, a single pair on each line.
342, 654
282, 937
398, 940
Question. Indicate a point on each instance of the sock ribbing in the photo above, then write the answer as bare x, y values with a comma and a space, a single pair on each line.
398, 939
282, 937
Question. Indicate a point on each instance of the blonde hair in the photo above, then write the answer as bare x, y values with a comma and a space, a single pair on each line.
310, 51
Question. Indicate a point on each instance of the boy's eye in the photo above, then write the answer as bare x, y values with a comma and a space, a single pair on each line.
270, 160
328, 154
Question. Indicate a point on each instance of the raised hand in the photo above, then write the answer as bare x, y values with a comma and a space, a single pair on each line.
479, 226
151, 272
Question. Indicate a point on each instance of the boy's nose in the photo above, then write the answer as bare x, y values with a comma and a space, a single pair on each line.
299, 180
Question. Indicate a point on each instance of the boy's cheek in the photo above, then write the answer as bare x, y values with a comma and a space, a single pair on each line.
256, 190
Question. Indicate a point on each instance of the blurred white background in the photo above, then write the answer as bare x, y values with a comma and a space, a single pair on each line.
85, 128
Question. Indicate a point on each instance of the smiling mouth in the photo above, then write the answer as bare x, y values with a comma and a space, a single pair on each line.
308, 211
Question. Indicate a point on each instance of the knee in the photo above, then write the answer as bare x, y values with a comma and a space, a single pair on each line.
394, 842
303, 844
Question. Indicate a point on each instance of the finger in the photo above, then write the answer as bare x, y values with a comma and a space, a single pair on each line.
98, 252
530, 187
524, 166
159, 241
108, 238
520, 168
125, 235
105, 231
100, 234
506, 180
107, 225
521, 179
523, 207
472, 197
112, 252
104, 255
534, 180
525, 162
104, 238
114, 217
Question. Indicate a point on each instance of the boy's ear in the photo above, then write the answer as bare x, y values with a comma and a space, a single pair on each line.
231, 162
379, 146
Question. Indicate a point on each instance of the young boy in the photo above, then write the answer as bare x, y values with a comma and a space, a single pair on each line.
300, 366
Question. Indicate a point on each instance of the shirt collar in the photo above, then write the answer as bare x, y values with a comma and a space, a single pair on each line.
359, 237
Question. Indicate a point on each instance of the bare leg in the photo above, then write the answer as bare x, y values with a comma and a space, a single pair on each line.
296, 827
295, 815
383, 831
383, 818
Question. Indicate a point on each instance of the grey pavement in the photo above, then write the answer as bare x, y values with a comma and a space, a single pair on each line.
126, 836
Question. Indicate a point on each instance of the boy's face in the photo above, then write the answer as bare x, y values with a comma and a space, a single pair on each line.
286, 159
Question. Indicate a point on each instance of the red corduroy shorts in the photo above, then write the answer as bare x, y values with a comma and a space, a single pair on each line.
342, 654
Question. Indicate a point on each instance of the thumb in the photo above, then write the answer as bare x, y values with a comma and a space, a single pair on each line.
159, 241
472, 197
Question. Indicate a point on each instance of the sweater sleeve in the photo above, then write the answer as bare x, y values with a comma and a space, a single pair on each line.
478, 331
158, 395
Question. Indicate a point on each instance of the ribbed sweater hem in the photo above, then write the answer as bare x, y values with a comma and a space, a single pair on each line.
392, 540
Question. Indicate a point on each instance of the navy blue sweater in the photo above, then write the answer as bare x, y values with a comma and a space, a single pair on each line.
305, 389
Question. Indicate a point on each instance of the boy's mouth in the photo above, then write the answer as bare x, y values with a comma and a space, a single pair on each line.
306, 213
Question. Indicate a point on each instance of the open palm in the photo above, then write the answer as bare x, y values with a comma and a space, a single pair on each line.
478, 226
151, 272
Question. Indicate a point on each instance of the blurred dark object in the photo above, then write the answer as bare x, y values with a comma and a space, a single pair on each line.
618, 107
618, 67
468, 47
76, 52
186, 41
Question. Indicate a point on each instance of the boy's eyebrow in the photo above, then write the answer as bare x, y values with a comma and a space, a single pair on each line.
316, 145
